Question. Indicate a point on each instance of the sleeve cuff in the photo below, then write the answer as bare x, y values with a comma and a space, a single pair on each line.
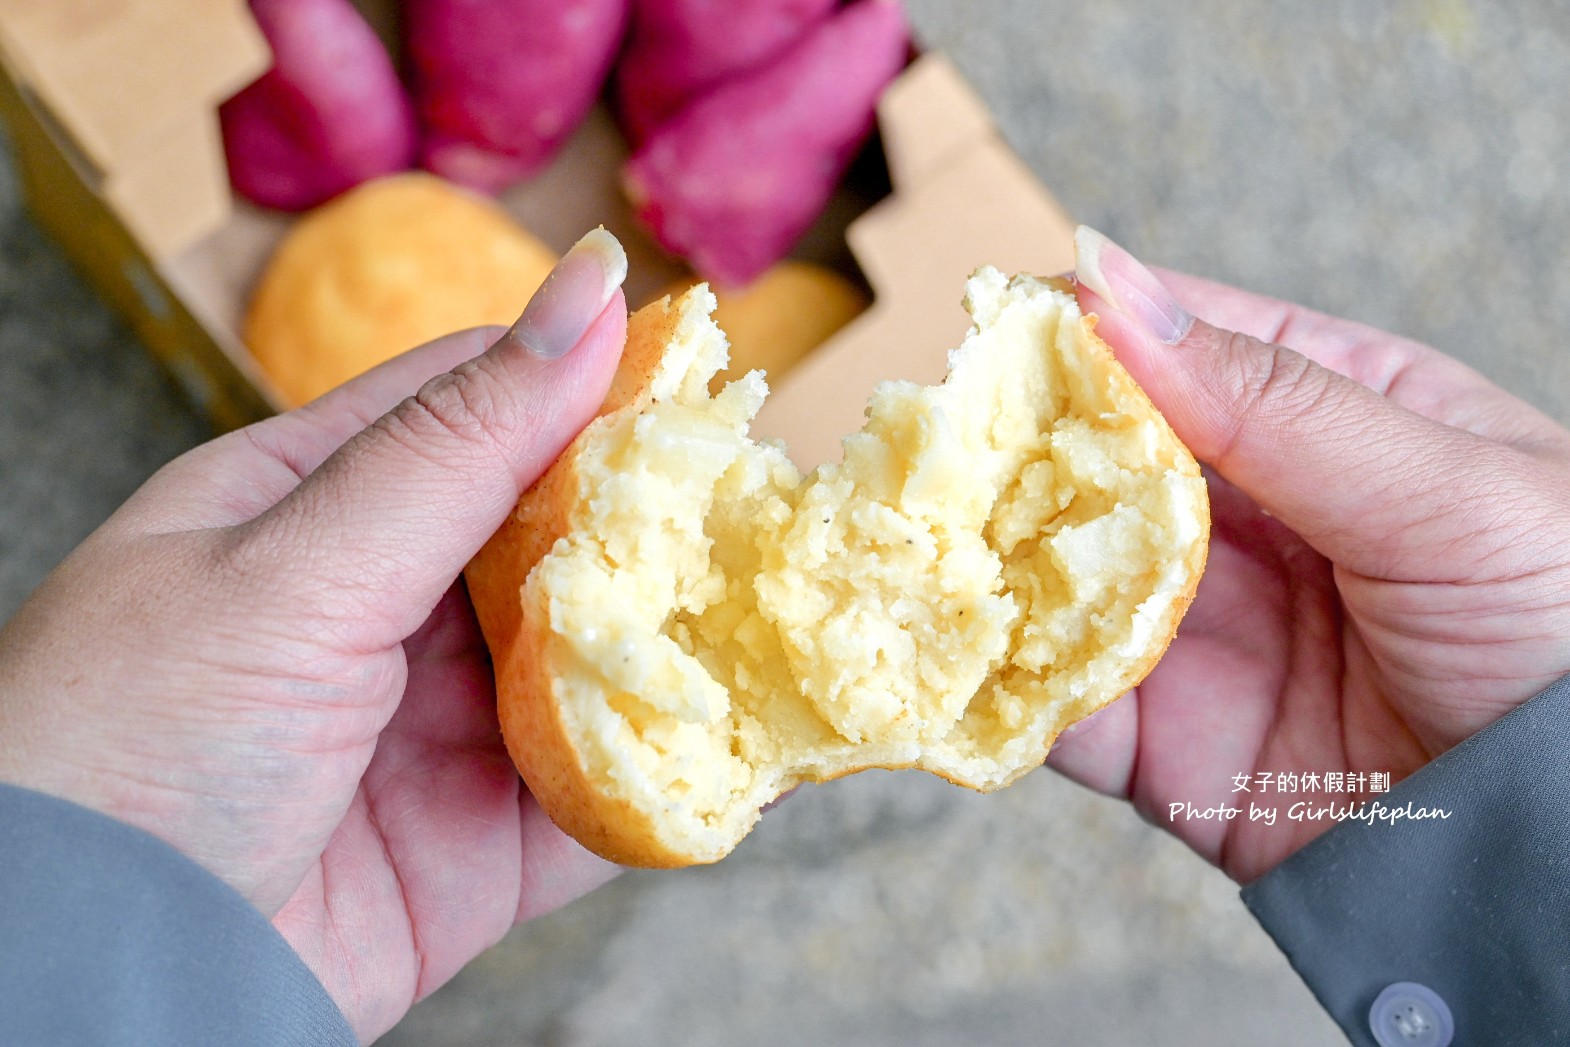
110, 936
1472, 906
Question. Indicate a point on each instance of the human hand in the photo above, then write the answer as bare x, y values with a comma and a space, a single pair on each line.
265, 659
1389, 567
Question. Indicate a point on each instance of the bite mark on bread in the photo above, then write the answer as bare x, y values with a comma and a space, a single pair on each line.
685, 627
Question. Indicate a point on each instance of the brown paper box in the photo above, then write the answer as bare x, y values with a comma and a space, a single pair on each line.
130, 181
118, 73
961, 200
176, 192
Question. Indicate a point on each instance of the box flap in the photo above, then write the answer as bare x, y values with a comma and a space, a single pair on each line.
116, 73
928, 115
130, 89
962, 199
177, 192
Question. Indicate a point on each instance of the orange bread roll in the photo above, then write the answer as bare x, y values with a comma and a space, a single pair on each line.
386, 267
684, 626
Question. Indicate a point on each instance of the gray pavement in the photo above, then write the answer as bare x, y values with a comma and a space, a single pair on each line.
1394, 162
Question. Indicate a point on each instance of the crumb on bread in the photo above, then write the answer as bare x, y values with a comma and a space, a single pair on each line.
685, 626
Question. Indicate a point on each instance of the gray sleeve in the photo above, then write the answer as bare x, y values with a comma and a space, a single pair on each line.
1476, 906
109, 936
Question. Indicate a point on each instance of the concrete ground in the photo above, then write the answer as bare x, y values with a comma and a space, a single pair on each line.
1395, 162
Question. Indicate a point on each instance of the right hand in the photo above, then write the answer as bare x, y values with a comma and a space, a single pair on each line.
1389, 564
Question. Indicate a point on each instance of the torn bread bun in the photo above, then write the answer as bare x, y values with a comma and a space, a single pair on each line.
684, 627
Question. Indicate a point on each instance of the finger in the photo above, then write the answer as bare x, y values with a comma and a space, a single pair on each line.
381, 529
241, 474
306, 437
1409, 373
1345, 467
1416, 376
1099, 751
556, 868
447, 656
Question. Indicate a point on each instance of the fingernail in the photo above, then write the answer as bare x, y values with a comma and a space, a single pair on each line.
572, 297
1122, 282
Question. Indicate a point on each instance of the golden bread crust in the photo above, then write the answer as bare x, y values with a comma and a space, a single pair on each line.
392, 264
521, 649
683, 626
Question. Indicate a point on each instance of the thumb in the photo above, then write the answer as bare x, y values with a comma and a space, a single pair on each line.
379, 531
1346, 468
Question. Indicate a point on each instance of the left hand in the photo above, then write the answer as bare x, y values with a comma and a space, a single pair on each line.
1389, 565
266, 659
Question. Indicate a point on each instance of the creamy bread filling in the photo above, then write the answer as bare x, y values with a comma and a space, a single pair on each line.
988, 557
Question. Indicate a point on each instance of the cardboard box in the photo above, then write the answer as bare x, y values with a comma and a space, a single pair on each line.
111, 106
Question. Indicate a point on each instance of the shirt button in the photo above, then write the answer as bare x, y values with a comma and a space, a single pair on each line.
1407, 1014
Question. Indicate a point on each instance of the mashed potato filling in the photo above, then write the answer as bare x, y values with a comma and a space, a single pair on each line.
989, 559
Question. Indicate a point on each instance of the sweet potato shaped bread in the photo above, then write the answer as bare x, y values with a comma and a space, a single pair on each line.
684, 626
501, 84
329, 114
677, 49
733, 179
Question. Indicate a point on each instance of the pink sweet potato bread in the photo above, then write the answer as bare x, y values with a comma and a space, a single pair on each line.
501, 84
677, 49
330, 114
733, 180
